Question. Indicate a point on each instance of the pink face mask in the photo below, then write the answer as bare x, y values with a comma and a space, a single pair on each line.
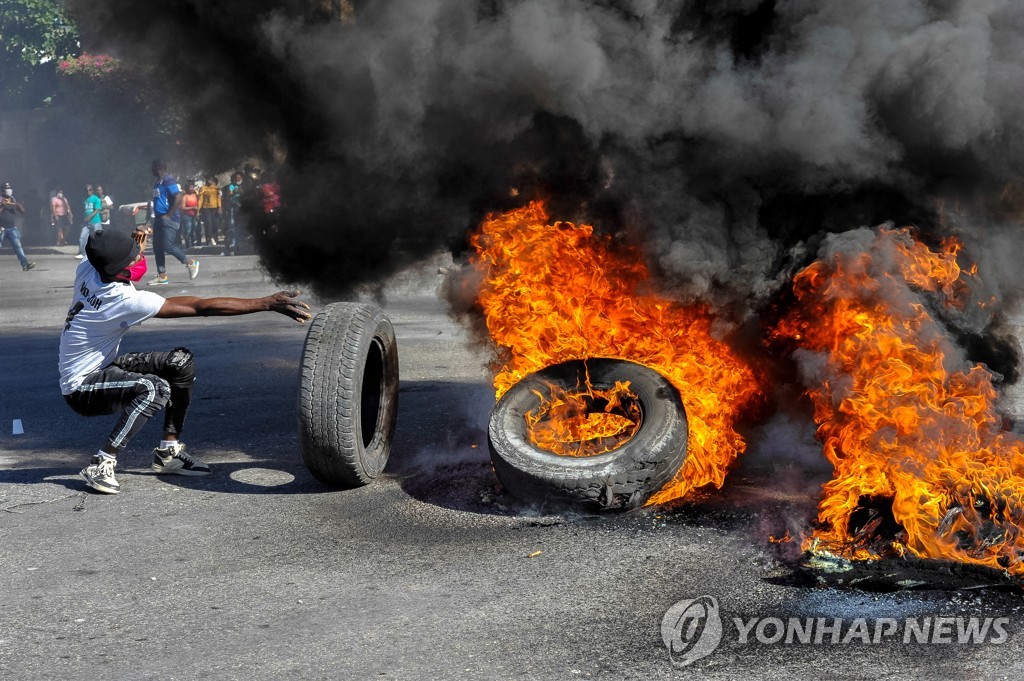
136, 271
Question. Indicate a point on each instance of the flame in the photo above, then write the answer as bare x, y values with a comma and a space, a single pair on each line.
557, 292
902, 417
585, 421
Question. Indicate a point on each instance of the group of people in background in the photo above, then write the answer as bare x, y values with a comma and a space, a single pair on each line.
209, 214
203, 215
212, 215
96, 212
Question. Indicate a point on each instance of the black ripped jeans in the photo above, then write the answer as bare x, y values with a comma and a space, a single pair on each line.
139, 384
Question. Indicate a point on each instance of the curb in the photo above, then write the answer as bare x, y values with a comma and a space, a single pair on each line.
72, 251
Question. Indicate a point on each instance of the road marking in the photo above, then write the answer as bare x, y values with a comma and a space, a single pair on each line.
17, 429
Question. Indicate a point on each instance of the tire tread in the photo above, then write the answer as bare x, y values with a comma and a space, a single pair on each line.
330, 388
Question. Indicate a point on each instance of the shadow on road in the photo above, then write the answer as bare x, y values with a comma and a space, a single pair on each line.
250, 477
440, 453
65, 476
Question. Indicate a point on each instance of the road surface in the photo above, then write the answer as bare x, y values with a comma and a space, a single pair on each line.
260, 572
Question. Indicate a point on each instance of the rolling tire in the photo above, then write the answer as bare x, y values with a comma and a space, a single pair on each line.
623, 478
348, 394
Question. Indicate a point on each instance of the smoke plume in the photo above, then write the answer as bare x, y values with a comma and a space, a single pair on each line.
726, 137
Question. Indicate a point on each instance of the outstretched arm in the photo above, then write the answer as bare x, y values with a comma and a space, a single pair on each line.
282, 302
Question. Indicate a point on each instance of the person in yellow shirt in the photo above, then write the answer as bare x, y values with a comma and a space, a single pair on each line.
209, 211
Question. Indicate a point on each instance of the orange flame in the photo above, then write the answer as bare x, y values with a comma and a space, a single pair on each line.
901, 417
554, 293
585, 421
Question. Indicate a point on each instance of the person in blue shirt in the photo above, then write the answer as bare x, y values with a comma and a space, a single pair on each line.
166, 202
10, 211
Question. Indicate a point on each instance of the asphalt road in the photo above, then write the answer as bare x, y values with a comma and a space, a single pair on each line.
260, 572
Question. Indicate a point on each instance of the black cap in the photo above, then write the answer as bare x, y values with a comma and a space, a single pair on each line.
110, 252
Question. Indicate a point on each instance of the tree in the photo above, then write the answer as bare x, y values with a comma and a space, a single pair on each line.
110, 127
34, 36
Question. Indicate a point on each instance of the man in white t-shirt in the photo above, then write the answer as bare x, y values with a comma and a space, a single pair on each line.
108, 206
95, 380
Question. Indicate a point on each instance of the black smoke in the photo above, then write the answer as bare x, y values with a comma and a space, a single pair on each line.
727, 137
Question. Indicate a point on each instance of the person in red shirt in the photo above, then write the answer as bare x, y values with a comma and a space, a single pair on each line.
60, 216
270, 193
189, 213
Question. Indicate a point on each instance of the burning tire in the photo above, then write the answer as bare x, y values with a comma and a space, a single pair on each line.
348, 394
635, 466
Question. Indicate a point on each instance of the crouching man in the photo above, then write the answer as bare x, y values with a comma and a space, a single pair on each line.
95, 380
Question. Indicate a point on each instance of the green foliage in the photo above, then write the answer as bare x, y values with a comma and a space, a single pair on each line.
34, 36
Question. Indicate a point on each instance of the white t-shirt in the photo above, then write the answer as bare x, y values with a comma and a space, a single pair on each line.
100, 314
108, 203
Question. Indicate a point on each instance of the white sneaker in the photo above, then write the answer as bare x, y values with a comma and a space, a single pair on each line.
100, 475
193, 268
79, 256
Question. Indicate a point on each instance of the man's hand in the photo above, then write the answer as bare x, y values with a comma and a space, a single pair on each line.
285, 303
10, 201
140, 235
